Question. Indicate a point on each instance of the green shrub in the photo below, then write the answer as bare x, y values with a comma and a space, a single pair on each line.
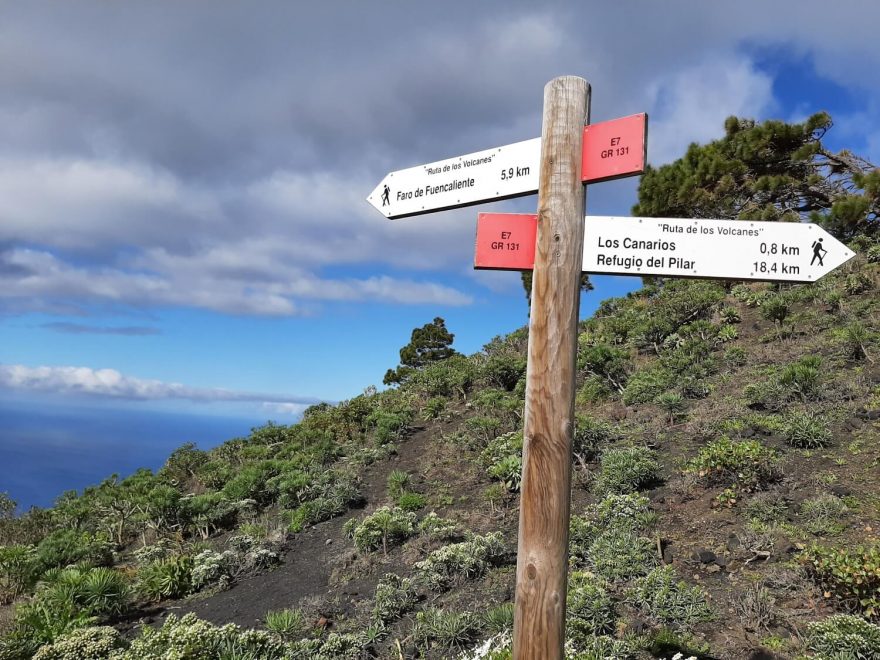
599, 647
844, 637
385, 526
93, 643
499, 448
398, 483
190, 638
854, 339
466, 560
747, 464
735, 356
822, 515
94, 592
803, 377
508, 471
856, 283
729, 314
287, 624
629, 511
610, 363
850, 573
434, 407
590, 608
619, 553
395, 596
626, 470
727, 333
213, 569
672, 403
648, 383
669, 600
806, 430
499, 618
591, 435
505, 371
166, 578
18, 571
437, 528
411, 501
445, 630
776, 308
767, 508
64, 547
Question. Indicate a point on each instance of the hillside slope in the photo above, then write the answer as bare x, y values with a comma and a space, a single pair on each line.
726, 479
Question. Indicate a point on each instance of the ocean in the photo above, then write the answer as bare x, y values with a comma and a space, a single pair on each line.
44, 452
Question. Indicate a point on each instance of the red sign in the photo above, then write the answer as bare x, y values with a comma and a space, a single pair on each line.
506, 241
615, 148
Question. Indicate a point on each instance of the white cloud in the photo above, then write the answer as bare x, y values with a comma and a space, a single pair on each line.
109, 383
691, 105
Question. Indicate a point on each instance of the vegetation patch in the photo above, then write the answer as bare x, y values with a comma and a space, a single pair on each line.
626, 470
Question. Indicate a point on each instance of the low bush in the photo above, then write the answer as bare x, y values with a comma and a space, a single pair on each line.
591, 435
91, 643
803, 377
619, 553
18, 571
94, 592
766, 508
411, 501
590, 608
398, 483
395, 596
385, 526
629, 511
446, 630
437, 528
170, 577
466, 560
287, 624
746, 464
65, 547
499, 618
626, 470
844, 637
822, 515
190, 638
851, 574
505, 370
508, 471
806, 430
669, 600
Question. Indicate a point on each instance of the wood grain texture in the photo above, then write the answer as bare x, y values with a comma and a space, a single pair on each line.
545, 503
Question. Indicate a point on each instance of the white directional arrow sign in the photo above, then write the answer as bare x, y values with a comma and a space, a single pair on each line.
493, 174
727, 249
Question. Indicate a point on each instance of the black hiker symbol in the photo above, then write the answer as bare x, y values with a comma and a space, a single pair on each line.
385, 193
818, 252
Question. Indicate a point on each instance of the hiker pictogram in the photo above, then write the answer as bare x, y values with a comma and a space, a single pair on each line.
818, 252
385, 193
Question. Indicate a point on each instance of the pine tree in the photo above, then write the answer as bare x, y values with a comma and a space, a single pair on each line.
767, 171
430, 343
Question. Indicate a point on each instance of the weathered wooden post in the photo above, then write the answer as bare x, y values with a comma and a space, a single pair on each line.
542, 557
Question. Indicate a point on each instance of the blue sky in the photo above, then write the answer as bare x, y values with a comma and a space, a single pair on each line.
183, 224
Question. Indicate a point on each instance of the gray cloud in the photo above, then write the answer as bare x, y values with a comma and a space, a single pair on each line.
109, 383
217, 156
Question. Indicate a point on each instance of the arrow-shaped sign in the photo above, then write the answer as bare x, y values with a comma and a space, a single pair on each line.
675, 247
500, 173
612, 149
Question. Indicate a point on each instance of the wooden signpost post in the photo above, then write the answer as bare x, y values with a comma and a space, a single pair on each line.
552, 243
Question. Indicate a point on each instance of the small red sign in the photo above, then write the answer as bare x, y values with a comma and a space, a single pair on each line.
506, 241
614, 149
